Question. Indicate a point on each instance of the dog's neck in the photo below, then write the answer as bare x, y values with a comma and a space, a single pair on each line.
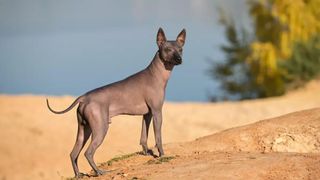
160, 70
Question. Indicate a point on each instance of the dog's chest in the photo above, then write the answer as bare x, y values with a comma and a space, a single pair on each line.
128, 108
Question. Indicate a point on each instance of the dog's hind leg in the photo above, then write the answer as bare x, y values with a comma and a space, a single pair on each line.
99, 126
146, 120
83, 135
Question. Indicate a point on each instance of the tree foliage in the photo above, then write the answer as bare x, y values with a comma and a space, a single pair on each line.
303, 65
283, 49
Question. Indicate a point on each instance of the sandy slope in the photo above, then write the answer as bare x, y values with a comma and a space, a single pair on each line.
287, 147
36, 144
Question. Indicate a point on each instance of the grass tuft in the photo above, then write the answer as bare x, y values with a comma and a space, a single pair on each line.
160, 160
119, 158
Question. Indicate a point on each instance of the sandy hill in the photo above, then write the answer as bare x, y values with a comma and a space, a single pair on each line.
36, 143
287, 147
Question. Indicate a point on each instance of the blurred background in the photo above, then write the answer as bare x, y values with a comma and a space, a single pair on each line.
235, 49
69, 47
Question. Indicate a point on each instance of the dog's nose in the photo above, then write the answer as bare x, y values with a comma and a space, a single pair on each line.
177, 57
178, 60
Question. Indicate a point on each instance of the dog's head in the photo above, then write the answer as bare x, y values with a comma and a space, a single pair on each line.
170, 52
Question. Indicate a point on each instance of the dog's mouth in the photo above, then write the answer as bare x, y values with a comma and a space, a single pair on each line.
173, 62
177, 61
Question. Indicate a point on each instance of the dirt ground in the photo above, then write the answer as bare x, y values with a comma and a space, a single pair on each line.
36, 143
220, 165
287, 147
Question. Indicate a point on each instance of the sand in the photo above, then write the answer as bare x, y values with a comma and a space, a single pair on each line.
36, 143
286, 147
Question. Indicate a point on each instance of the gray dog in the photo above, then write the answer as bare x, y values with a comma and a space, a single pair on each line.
140, 94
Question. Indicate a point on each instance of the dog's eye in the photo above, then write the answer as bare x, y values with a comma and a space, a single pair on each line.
168, 49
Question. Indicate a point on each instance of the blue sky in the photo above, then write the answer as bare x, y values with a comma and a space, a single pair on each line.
59, 47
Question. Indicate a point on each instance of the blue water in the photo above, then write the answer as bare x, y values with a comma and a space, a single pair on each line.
60, 47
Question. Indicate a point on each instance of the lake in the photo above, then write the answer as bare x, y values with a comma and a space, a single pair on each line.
59, 47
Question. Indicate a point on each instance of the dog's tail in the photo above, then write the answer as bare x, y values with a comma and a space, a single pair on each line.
66, 110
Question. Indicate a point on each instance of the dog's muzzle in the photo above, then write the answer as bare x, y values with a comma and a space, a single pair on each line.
177, 60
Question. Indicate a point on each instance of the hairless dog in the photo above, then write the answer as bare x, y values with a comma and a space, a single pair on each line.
140, 94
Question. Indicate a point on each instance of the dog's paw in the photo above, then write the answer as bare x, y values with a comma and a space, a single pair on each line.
148, 152
81, 175
100, 172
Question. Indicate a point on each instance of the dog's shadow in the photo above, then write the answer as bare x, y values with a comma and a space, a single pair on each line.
149, 153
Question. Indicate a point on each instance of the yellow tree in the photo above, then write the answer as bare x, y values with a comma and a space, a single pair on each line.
279, 24
285, 43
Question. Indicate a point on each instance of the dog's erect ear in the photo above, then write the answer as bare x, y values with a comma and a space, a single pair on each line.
161, 37
181, 37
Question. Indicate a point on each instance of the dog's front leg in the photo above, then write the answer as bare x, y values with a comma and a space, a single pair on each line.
146, 120
157, 123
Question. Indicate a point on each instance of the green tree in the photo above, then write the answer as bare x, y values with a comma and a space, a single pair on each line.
234, 73
303, 65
